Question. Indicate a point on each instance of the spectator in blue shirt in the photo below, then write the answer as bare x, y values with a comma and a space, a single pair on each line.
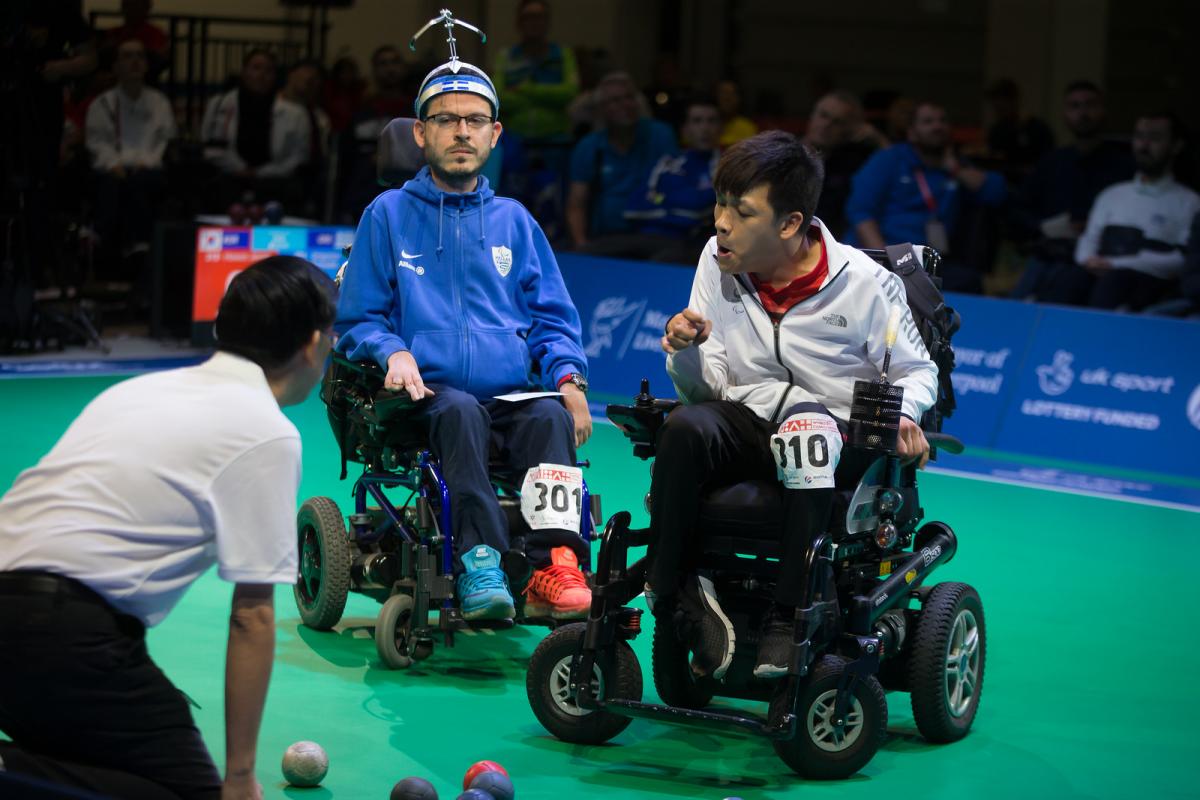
607, 164
913, 192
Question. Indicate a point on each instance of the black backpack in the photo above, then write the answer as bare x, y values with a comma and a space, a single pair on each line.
936, 322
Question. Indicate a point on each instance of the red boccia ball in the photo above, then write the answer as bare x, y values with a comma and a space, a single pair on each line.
478, 767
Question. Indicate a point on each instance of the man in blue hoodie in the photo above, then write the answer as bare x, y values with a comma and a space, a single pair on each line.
457, 294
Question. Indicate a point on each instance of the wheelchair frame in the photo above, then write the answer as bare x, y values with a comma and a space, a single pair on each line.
402, 556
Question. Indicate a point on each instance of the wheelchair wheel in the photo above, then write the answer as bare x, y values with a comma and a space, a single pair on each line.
674, 680
820, 749
548, 685
325, 557
393, 631
946, 664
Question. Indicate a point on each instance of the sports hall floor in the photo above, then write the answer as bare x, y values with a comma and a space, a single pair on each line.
1090, 688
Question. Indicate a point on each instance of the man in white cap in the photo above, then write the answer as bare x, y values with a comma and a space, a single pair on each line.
456, 294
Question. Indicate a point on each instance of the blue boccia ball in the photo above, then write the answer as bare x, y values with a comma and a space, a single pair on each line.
475, 794
414, 788
497, 784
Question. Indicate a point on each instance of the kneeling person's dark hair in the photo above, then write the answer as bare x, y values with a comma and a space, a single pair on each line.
272, 308
791, 171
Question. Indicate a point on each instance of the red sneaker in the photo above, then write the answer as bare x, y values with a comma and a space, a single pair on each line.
559, 590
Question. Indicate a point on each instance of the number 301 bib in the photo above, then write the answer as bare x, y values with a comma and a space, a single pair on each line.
807, 449
552, 497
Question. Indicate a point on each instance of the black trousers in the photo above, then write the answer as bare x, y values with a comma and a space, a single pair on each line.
464, 432
83, 702
716, 443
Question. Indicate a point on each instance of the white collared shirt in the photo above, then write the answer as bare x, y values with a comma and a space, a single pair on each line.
160, 477
128, 131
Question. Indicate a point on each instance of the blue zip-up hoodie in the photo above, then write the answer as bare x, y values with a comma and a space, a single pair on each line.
467, 283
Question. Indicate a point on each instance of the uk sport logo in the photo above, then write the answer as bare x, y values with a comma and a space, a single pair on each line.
1193, 408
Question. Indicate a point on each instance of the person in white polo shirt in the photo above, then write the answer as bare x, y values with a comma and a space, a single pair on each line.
1136, 232
159, 478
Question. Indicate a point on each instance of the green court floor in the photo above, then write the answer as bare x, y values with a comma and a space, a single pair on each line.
1090, 688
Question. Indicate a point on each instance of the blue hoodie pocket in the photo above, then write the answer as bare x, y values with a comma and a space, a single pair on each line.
439, 356
500, 361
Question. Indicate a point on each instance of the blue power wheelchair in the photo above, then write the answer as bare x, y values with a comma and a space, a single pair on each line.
401, 555
868, 622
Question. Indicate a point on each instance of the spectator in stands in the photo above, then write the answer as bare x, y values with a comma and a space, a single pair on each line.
909, 192
391, 99
840, 135
1015, 142
670, 210
127, 132
303, 87
1187, 304
536, 78
136, 24
342, 93
1052, 207
255, 138
607, 164
1137, 230
734, 126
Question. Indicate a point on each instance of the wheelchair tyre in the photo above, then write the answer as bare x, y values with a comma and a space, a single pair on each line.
325, 557
674, 680
548, 685
393, 632
946, 664
818, 750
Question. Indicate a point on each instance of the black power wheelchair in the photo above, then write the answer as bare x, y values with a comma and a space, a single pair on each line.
858, 633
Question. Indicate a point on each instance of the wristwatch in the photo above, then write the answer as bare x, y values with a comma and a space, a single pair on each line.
577, 379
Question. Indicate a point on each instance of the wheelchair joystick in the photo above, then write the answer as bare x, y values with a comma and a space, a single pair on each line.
644, 398
875, 408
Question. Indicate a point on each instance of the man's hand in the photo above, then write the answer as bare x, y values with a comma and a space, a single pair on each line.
685, 329
241, 787
1097, 264
576, 402
403, 375
912, 443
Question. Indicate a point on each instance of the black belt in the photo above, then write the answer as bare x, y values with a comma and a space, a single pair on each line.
25, 583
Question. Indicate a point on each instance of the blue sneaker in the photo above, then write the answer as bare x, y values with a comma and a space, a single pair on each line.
483, 589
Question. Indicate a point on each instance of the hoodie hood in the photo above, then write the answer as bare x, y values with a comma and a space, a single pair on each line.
423, 188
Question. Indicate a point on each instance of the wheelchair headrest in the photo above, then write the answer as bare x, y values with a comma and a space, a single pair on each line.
399, 157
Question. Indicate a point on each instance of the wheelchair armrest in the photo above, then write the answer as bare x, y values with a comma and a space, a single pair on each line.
944, 441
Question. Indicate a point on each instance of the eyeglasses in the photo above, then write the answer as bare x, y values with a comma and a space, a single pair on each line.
474, 121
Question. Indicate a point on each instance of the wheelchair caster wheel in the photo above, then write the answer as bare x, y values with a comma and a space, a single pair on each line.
324, 579
393, 632
822, 748
548, 685
946, 664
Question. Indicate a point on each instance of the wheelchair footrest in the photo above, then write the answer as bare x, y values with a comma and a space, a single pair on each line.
488, 624
709, 720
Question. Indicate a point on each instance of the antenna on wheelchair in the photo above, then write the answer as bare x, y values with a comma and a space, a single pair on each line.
448, 21
893, 329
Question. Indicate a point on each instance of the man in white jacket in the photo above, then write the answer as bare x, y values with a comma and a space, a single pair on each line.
255, 137
127, 131
781, 322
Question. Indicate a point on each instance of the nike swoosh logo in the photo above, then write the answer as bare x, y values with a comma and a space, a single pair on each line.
404, 254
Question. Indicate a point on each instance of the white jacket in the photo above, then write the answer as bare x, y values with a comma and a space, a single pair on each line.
817, 351
289, 136
127, 132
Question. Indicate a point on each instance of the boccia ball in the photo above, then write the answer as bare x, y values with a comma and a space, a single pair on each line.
478, 767
475, 794
305, 764
237, 214
414, 788
254, 213
273, 212
497, 784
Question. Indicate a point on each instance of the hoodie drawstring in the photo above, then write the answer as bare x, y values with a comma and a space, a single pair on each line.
482, 235
441, 210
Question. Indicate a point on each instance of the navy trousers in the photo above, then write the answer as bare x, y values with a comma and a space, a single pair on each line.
464, 431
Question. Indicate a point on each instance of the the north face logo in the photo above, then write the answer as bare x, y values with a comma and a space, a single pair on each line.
836, 320
502, 258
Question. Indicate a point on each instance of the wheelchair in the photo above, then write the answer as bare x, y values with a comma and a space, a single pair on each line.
400, 555
868, 623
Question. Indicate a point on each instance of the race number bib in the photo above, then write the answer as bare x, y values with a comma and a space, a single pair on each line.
552, 497
807, 449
